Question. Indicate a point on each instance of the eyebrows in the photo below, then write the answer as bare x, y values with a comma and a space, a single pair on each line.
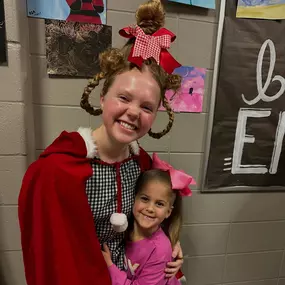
145, 99
159, 200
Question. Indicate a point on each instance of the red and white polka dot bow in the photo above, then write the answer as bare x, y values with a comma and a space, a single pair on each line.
147, 46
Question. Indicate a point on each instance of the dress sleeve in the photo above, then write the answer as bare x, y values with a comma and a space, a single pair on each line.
152, 274
57, 232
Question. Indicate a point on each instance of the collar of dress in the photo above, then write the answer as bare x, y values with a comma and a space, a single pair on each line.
91, 147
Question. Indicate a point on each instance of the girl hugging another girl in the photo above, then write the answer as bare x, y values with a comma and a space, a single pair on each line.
154, 227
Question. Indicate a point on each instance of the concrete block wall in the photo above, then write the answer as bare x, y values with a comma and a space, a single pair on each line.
15, 116
227, 238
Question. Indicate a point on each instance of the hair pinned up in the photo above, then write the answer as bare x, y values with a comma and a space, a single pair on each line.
150, 18
111, 61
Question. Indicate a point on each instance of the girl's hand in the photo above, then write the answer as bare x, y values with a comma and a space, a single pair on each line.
107, 255
173, 267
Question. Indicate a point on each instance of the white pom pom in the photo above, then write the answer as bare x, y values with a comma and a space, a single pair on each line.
119, 222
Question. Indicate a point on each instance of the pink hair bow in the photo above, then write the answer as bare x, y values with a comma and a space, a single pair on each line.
147, 46
179, 179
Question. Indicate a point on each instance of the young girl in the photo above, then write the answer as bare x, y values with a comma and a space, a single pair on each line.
156, 225
80, 191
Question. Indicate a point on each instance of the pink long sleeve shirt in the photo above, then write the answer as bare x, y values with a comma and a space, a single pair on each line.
145, 262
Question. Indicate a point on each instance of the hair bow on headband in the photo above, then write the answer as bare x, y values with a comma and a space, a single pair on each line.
179, 179
147, 46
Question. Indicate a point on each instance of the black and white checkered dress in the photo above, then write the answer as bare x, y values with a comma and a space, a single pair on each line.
101, 190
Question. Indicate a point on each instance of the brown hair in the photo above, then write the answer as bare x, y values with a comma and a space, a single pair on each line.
172, 225
150, 17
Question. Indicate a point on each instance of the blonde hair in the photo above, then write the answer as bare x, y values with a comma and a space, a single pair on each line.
172, 225
150, 17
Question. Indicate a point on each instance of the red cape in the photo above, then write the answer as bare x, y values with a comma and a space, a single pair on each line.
58, 236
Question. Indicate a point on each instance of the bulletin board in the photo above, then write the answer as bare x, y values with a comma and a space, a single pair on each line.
245, 149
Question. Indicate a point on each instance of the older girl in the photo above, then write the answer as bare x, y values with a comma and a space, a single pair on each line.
80, 191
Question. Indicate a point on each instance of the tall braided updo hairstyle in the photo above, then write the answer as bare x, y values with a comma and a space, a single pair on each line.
150, 18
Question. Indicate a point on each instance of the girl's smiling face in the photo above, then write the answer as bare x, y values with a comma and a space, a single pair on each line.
152, 205
130, 106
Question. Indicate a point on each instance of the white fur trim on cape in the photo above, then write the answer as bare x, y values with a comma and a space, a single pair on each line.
91, 148
135, 147
86, 134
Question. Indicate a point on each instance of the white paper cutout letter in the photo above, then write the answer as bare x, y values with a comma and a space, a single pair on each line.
241, 138
262, 89
278, 144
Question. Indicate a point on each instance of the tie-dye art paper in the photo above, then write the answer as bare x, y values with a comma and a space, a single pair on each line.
87, 11
189, 98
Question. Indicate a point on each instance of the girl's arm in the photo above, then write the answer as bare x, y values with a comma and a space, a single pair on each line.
152, 273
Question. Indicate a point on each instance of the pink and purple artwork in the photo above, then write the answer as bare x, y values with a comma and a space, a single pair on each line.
189, 98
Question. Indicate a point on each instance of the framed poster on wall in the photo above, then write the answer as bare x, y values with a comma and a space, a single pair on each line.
246, 149
3, 52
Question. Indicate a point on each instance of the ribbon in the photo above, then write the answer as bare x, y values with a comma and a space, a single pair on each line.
147, 46
179, 179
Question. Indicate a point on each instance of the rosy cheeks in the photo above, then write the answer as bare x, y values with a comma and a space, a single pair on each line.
125, 121
137, 119
130, 106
